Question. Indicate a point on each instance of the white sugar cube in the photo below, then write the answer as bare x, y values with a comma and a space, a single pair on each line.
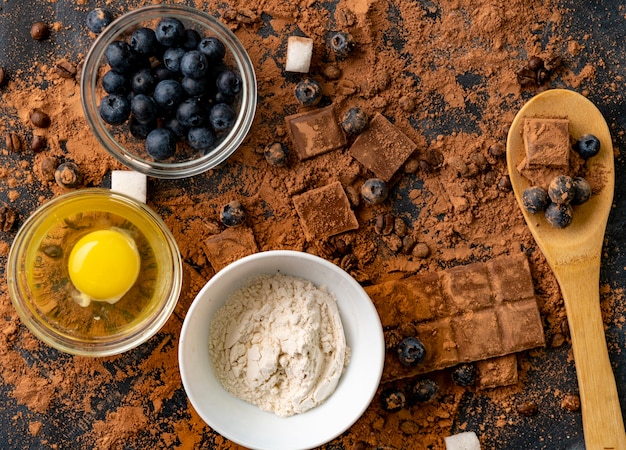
131, 183
299, 52
463, 441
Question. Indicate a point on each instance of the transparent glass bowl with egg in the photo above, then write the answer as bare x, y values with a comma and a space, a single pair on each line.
130, 150
94, 272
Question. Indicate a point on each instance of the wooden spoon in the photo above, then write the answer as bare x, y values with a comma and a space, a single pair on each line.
573, 254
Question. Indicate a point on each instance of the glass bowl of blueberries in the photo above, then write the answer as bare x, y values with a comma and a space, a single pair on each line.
168, 90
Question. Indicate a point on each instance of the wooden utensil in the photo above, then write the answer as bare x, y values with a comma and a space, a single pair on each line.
573, 254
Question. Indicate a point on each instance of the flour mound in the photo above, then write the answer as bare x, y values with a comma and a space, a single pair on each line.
279, 343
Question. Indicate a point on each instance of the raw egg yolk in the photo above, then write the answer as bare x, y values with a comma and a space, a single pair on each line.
104, 265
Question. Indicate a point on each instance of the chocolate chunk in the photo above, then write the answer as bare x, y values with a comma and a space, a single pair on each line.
229, 246
382, 147
325, 211
316, 132
497, 372
547, 142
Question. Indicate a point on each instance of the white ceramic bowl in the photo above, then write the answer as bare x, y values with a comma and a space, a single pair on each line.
246, 424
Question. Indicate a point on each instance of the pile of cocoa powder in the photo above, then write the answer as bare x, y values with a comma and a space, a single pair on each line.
444, 73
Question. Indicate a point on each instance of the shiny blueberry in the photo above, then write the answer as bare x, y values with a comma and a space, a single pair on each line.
424, 390
98, 19
411, 351
220, 97
341, 43
192, 39
535, 199
392, 399
190, 113
464, 375
114, 109
308, 92
228, 82
233, 214
170, 31
168, 94
144, 41
175, 127
194, 64
587, 146
161, 73
201, 138
161, 143
142, 82
561, 189
354, 120
222, 117
140, 130
582, 191
121, 57
172, 58
374, 191
276, 154
212, 48
144, 108
559, 215
115, 83
196, 87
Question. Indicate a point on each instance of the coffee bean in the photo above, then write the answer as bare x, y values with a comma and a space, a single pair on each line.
39, 118
421, 250
384, 224
48, 166
527, 409
8, 217
65, 69
38, 143
535, 63
3, 76
14, 143
39, 31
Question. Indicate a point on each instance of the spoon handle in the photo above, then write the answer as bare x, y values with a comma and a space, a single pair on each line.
603, 425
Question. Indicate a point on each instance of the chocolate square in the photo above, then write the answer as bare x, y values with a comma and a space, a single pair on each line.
547, 142
440, 342
315, 132
325, 211
228, 246
511, 278
521, 325
468, 287
477, 335
382, 147
497, 372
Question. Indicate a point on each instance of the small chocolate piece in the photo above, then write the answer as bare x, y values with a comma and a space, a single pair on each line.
325, 211
382, 147
39, 31
315, 132
229, 246
547, 142
497, 372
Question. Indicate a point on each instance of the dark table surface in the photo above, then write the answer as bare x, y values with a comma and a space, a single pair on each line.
604, 23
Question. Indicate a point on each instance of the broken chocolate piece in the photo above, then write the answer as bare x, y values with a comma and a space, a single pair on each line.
382, 147
228, 246
547, 142
315, 132
497, 372
325, 211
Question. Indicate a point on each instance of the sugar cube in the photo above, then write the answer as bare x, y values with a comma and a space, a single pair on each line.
299, 52
131, 183
463, 441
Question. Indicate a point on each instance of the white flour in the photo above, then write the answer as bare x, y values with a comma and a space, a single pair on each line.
278, 343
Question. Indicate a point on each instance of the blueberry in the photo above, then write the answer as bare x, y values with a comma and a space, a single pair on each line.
308, 92
228, 82
194, 64
354, 120
222, 117
115, 83
201, 138
160, 73
192, 39
168, 94
170, 31
464, 374
392, 399
196, 87
341, 43
559, 215
424, 390
161, 143
172, 58
233, 214
535, 199
582, 191
144, 108
587, 146
144, 41
142, 82
276, 154
140, 130
212, 48
190, 113
121, 57
220, 97
411, 351
98, 19
175, 127
561, 189
374, 191
114, 109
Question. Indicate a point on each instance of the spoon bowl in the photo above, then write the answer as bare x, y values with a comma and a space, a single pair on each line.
573, 253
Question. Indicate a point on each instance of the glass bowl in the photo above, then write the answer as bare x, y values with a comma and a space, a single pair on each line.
117, 139
45, 298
